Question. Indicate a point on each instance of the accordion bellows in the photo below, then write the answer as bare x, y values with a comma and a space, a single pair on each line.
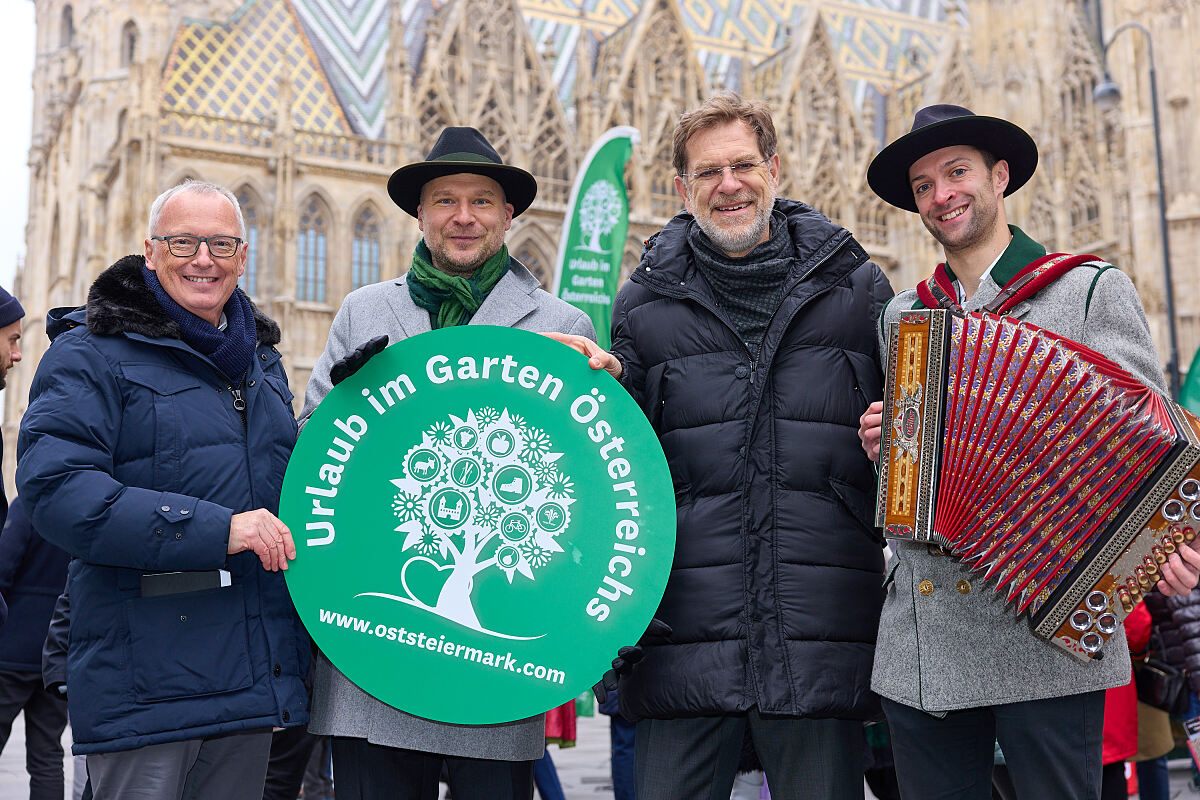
1040, 463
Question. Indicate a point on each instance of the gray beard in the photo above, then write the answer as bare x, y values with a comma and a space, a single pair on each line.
743, 242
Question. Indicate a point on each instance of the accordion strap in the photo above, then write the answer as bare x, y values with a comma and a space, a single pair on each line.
1035, 277
937, 291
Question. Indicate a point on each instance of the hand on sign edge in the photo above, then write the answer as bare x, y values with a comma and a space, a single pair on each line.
351, 363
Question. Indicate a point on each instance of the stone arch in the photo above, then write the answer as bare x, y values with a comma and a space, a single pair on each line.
254, 213
314, 228
366, 245
538, 251
66, 29
129, 41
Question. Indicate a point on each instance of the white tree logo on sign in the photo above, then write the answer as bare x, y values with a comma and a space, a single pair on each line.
599, 212
479, 493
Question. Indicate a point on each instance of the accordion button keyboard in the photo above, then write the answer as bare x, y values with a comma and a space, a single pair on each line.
925, 587
1125, 597
964, 587
1097, 601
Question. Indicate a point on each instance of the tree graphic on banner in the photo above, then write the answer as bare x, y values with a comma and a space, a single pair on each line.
478, 493
599, 211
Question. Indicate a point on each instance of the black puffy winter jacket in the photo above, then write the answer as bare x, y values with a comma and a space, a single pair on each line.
775, 590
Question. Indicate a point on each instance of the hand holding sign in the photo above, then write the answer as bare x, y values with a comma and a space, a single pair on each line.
352, 363
598, 357
628, 657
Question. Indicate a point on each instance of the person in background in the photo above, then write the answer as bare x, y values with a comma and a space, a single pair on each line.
621, 734
1176, 621
32, 574
1120, 734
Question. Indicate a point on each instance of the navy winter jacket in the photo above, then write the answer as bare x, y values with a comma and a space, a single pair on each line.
32, 575
133, 458
775, 591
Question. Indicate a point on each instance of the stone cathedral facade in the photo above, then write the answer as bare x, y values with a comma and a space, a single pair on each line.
304, 107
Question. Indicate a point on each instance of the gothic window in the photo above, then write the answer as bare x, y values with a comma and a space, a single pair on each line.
529, 254
250, 212
311, 251
364, 260
67, 31
128, 43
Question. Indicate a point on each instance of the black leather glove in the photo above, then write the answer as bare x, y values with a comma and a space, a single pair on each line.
348, 365
628, 657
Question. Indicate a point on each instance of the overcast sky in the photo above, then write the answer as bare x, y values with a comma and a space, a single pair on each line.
16, 75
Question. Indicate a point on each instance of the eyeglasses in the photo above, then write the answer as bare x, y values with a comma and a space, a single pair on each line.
714, 174
188, 246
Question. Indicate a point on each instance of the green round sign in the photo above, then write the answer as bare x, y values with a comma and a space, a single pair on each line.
481, 520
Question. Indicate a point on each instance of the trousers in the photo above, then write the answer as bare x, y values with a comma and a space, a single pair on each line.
697, 758
1052, 749
45, 721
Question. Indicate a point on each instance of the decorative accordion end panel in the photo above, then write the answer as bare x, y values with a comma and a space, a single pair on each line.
1039, 463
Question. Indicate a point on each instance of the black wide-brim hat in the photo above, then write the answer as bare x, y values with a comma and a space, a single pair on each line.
935, 127
461, 150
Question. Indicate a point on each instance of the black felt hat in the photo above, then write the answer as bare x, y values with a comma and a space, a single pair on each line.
461, 150
935, 127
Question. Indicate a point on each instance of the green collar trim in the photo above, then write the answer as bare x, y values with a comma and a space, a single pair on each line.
1020, 253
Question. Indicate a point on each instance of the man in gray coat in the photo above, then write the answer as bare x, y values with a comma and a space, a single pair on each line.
464, 199
957, 670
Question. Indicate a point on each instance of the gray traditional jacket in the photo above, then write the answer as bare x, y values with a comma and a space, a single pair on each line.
958, 646
339, 707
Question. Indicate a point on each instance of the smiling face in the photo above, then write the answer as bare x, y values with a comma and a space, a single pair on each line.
464, 218
202, 284
959, 198
734, 211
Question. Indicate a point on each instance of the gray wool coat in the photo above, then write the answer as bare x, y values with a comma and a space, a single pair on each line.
952, 649
339, 707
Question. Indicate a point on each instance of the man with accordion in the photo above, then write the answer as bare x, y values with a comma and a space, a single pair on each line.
956, 667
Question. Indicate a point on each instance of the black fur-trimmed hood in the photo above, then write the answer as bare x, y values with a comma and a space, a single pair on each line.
121, 302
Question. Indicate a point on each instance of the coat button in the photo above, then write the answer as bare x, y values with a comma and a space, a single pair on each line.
184, 511
179, 536
741, 371
263, 356
277, 671
251, 383
158, 531
287, 717
165, 508
964, 587
925, 587
183, 618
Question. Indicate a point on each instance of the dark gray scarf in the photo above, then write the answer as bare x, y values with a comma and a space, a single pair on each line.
749, 288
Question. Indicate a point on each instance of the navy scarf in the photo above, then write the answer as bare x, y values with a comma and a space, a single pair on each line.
230, 350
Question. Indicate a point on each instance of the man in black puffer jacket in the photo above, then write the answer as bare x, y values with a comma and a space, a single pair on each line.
747, 336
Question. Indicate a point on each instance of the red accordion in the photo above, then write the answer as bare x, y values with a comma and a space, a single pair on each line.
1038, 462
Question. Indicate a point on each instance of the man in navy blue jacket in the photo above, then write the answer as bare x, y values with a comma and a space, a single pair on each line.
32, 574
153, 450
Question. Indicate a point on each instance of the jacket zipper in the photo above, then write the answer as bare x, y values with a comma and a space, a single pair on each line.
239, 403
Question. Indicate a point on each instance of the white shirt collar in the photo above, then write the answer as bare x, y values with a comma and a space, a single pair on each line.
958, 289
224, 321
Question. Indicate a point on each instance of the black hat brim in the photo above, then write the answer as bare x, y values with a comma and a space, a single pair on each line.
520, 188
888, 174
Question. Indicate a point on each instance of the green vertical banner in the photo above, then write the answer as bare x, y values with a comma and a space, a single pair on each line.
593, 234
1189, 395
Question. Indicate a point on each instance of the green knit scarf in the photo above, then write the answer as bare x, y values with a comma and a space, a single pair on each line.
449, 299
